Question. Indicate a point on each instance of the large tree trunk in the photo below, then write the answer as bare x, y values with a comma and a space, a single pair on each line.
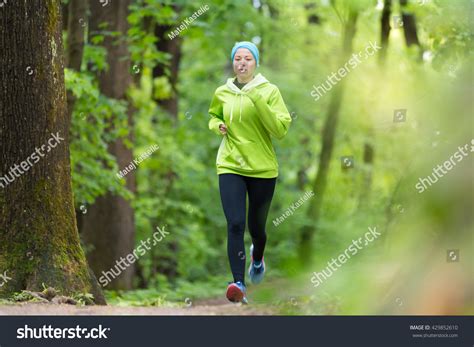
329, 131
109, 224
39, 242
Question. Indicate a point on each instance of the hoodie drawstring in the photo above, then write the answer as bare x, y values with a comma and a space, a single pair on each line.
256, 81
240, 118
232, 108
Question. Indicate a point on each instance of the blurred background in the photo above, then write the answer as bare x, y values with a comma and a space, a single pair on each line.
361, 148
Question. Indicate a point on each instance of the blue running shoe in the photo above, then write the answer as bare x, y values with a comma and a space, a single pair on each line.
256, 271
236, 292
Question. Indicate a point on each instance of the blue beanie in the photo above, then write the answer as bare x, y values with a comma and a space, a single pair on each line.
246, 44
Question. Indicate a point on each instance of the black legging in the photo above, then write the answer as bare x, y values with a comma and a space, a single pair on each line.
233, 189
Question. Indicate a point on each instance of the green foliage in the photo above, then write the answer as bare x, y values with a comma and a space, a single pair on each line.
22, 296
94, 168
183, 293
84, 299
143, 17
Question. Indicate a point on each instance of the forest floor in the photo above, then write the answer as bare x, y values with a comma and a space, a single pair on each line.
216, 306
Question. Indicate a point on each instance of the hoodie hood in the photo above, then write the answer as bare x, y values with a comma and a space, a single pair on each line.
256, 81
240, 93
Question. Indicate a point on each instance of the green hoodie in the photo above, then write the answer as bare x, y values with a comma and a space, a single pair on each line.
251, 116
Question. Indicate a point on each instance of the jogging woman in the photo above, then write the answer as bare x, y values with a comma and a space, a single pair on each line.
247, 111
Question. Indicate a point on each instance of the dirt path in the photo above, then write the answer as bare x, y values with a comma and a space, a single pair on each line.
207, 307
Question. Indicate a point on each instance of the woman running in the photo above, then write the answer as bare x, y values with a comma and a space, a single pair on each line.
246, 111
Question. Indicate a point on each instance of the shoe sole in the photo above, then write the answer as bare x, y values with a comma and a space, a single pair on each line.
234, 294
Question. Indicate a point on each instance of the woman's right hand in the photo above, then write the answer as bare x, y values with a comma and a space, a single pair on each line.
223, 129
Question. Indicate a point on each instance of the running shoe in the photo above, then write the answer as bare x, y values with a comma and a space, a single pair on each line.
256, 273
236, 292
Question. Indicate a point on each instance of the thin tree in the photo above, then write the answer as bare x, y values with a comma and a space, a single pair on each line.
409, 25
76, 22
109, 225
369, 149
385, 29
75, 17
328, 134
411, 38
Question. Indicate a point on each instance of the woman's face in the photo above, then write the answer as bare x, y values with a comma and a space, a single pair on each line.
244, 63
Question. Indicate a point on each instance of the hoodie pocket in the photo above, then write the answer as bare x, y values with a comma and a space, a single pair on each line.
225, 149
254, 156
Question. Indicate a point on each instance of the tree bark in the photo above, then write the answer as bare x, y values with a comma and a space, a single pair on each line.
39, 242
76, 11
109, 224
409, 25
385, 29
170, 105
329, 131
